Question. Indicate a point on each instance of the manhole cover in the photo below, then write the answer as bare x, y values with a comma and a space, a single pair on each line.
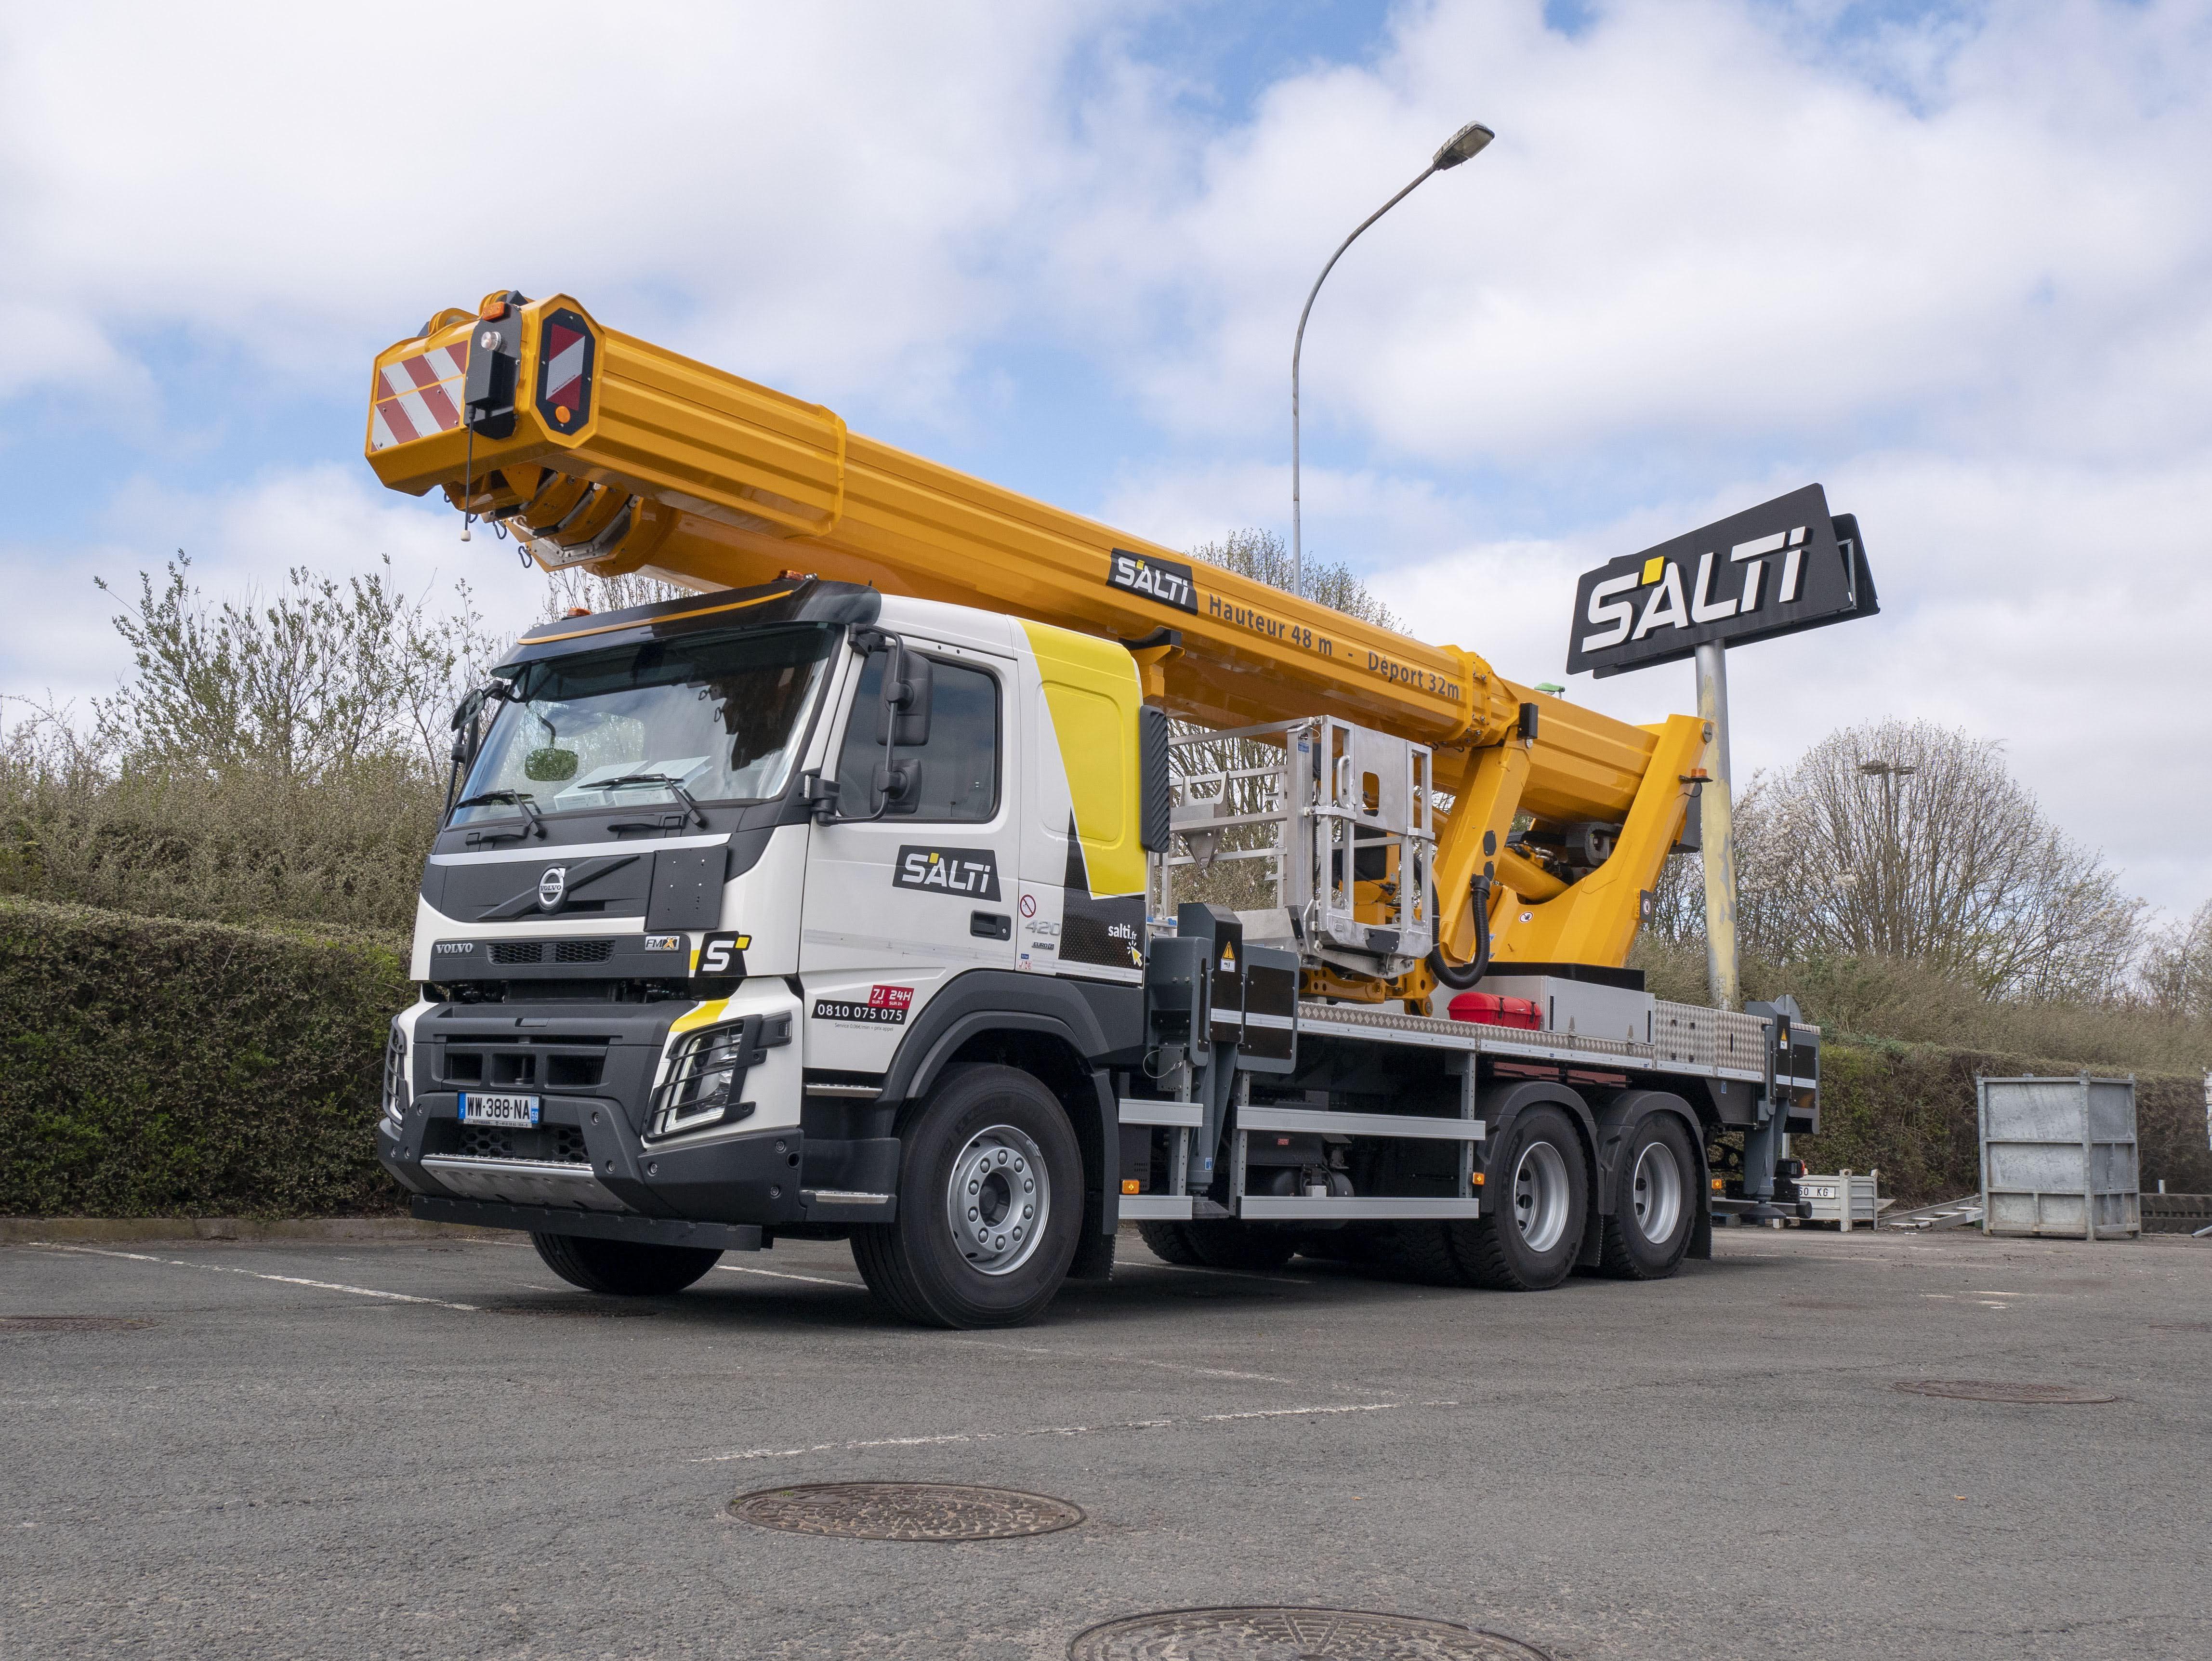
1996, 1389
70, 1324
906, 1510
1291, 1634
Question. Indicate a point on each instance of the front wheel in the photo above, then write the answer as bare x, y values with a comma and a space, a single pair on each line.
990, 1204
627, 1268
1536, 1197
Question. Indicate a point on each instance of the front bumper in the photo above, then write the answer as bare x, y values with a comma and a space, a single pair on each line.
587, 1167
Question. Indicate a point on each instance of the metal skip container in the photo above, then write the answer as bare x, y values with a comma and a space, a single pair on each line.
2058, 1157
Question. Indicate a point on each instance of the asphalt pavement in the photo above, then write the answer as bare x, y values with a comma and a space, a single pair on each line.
436, 1449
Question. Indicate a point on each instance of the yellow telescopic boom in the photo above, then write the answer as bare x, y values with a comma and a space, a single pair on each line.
606, 452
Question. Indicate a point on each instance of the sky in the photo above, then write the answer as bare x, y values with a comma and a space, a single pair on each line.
1953, 261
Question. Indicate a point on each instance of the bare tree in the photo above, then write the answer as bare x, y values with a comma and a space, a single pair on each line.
1910, 841
2176, 967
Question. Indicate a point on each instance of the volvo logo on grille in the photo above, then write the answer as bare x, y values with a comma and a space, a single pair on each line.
552, 885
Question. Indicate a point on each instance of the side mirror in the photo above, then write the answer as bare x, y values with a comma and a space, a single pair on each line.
907, 692
898, 785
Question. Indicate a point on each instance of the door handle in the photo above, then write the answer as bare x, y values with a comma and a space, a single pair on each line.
991, 925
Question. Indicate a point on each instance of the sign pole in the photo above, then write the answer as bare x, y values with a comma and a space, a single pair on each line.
1717, 828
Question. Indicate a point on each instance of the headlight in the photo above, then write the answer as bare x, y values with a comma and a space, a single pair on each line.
707, 1074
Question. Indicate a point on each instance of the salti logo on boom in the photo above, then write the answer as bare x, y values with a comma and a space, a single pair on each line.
1163, 579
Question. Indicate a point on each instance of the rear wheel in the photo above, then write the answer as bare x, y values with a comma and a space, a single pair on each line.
1655, 1205
990, 1204
1535, 1198
627, 1268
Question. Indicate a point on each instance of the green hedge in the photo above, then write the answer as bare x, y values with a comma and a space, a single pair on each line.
163, 1068
1908, 1111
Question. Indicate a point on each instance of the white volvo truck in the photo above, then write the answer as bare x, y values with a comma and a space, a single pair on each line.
838, 897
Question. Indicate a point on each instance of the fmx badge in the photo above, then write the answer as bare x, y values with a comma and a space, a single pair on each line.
1163, 579
723, 954
971, 873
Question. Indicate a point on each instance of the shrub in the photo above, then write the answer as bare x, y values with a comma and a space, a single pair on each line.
166, 1068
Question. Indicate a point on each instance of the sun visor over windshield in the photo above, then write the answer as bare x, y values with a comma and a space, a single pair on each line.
807, 599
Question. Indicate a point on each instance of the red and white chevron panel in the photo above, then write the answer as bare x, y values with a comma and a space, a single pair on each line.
564, 366
419, 395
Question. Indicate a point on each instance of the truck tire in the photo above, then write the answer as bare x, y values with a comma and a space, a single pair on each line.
1655, 1203
1227, 1243
1538, 1180
990, 1204
1418, 1251
627, 1268
1169, 1242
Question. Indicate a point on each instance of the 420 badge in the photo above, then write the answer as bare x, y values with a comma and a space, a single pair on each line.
886, 1007
970, 873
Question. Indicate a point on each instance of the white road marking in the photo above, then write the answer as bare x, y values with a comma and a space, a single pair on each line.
286, 1280
1118, 1359
781, 1275
1059, 1430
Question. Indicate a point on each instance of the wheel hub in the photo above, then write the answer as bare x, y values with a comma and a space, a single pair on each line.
1540, 1201
1657, 1193
998, 1198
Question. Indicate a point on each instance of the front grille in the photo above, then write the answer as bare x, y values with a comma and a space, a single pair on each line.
518, 951
583, 951
560, 1144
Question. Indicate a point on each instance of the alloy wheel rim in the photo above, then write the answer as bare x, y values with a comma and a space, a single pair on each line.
998, 1198
1657, 1191
1539, 1195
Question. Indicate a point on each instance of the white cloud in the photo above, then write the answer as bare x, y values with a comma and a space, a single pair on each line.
1697, 228
823, 192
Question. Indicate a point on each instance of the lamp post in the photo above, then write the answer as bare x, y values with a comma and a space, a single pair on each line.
1892, 774
1462, 146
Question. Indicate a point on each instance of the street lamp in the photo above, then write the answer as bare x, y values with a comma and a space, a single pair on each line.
1462, 146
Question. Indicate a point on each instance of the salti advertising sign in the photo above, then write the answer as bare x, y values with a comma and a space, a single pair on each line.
1773, 569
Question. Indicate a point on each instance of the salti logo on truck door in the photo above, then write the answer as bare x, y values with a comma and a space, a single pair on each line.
970, 873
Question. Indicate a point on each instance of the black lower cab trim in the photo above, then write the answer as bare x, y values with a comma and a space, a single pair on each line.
595, 1225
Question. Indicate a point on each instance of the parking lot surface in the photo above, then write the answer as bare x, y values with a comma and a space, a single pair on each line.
437, 1448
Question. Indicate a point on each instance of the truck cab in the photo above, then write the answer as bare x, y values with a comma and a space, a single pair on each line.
729, 878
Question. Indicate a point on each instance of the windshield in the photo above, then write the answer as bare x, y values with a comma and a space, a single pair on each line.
720, 716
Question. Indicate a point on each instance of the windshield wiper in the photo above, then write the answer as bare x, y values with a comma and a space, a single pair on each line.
672, 785
508, 799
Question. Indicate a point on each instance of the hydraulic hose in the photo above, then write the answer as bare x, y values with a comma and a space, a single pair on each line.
1461, 976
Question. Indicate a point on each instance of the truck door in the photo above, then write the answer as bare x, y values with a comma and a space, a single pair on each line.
896, 905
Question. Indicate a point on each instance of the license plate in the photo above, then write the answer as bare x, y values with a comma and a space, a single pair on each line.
498, 1109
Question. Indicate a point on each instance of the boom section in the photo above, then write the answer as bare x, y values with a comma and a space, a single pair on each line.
604, 450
